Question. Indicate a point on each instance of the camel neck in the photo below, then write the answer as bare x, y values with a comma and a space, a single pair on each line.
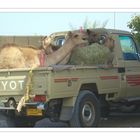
61, 53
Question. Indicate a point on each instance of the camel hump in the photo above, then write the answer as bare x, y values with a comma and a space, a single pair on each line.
9, 45
21, 46
32, 47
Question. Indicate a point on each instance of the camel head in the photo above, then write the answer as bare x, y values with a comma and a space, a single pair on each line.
77, 38
47, 44
101, 38
93, 37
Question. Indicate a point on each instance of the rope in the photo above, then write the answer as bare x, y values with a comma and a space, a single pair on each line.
28, 90
29, 85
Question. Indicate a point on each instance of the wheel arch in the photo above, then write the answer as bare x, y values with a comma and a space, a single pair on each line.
91, 87
69, 103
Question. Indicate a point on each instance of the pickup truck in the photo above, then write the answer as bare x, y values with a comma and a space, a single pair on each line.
79, 95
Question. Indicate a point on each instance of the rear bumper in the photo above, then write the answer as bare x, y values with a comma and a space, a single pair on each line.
33, 109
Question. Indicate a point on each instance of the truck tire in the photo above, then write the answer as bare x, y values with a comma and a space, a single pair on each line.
86, 111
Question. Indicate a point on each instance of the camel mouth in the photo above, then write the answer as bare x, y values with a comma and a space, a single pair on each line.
84, 38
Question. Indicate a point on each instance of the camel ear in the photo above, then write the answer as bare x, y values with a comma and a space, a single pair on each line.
88, 31
70, 34
43, 38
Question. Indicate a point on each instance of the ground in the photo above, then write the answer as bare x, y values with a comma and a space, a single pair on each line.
123, 120
115, 119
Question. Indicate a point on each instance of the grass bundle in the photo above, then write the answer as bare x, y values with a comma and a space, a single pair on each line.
93, 54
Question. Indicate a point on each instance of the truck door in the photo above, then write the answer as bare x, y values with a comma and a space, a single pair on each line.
132, 65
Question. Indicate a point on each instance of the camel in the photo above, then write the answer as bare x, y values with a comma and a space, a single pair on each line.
14, 56
102, 39
47, 44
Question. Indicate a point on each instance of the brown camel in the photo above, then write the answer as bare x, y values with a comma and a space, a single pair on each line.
14, 56
101, 38
47, 44
105, 39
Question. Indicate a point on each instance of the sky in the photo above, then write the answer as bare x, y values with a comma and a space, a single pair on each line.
45, 23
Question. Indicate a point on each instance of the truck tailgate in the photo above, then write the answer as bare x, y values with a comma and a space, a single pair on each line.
14, 82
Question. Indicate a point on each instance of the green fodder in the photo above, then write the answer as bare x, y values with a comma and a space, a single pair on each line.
91, 55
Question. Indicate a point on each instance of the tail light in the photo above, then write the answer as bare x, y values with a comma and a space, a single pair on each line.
40, 98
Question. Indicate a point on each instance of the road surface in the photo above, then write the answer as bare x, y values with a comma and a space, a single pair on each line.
123, 120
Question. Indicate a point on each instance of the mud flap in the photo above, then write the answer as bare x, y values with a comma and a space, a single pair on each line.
66, 113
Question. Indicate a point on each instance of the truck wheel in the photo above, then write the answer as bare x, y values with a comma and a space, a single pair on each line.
86, 111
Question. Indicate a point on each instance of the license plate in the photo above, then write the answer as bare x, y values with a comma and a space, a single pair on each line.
34, 112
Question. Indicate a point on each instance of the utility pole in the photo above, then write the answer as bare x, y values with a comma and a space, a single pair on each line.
114, 20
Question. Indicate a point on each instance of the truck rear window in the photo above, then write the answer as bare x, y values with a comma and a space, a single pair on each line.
128, 48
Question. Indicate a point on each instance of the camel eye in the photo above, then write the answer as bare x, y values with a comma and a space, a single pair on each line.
102, 39
76, 35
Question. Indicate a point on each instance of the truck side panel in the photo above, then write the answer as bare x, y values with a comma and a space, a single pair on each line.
67, 83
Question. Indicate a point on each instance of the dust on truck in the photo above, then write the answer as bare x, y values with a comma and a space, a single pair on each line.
76, 94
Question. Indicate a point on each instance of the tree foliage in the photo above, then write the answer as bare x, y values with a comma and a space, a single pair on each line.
93, 24
134, 25
87, 24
